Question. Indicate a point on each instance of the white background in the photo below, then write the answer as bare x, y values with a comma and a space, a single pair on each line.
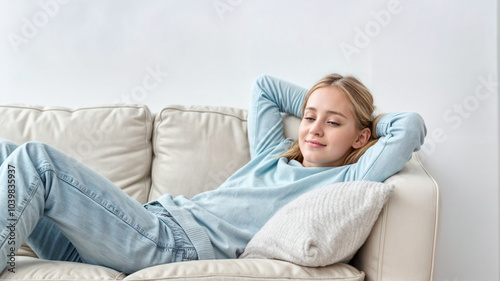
424, 56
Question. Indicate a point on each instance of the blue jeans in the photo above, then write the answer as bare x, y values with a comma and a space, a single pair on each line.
65, 211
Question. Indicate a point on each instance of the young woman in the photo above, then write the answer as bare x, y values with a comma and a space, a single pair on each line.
58, 202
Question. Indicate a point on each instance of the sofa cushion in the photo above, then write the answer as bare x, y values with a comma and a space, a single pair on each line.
196, 148
27, 268
113, 140
247, 269
324, 226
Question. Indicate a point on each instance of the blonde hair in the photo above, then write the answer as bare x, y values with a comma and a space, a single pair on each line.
361, 103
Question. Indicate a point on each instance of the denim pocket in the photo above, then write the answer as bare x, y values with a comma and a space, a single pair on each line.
190, 254
183, 249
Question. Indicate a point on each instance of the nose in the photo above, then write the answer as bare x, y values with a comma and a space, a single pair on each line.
316, 129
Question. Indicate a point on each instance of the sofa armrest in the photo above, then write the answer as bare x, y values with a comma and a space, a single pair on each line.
403, 241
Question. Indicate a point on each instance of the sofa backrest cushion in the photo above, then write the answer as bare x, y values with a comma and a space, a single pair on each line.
196, 148
113, 140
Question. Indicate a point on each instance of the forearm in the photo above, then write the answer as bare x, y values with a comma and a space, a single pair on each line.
403, 125
270, 98
400, 134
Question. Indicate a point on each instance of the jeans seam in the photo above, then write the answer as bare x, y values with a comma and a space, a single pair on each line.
31, 193
63, 177
21, 208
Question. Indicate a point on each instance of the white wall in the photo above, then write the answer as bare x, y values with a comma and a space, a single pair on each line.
426, 56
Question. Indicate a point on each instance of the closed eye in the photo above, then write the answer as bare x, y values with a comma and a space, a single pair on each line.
334, 123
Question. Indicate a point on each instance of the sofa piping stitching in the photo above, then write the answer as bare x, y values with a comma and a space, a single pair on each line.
436, 217
205, 111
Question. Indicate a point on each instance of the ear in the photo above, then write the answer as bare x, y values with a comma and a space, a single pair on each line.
363, 137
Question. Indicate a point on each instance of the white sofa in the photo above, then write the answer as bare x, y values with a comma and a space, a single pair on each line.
190, 149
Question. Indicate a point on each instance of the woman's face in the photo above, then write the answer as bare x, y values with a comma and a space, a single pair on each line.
328, 131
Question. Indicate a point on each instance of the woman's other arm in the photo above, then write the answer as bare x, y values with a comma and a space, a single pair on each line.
400, 134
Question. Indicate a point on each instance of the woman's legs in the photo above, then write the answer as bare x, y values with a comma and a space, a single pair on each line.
55, 193
46, 240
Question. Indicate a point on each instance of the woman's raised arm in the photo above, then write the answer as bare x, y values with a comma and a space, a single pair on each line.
271, 97
400, 134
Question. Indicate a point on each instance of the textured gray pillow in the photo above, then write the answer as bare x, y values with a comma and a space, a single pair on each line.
322, 227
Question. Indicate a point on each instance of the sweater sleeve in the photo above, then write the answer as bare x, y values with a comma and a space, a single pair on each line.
400, 134
270, 98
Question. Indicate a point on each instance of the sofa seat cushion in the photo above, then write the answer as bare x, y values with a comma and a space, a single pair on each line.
113, 140
247, 269
196, 148
28, 268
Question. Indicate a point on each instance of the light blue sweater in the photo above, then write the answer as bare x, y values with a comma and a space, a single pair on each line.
221, 222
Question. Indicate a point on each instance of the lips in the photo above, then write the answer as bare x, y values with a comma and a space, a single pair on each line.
315, 144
